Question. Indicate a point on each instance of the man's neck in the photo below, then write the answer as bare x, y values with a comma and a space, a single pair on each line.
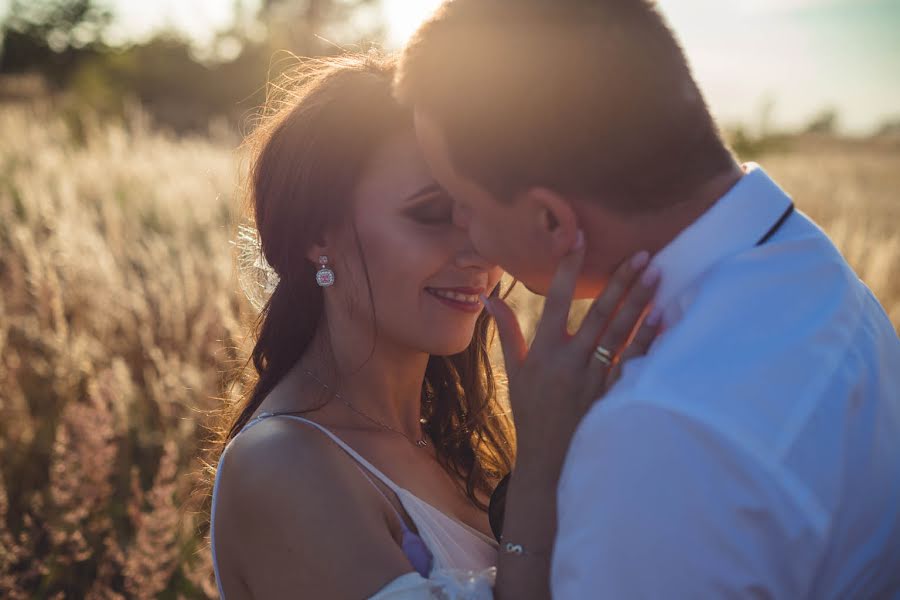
666, 225
615, 237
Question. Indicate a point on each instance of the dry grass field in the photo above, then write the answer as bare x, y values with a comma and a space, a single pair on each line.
120, 321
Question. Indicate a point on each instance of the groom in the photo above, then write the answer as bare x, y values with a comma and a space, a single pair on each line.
755, 450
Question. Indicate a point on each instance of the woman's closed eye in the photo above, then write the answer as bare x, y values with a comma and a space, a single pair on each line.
435, 208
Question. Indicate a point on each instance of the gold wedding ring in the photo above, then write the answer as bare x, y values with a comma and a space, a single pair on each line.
603, 355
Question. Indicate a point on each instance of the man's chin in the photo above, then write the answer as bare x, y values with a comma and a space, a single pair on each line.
589, 289
534, 290
584, 290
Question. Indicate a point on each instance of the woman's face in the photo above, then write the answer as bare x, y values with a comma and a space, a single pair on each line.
425, 277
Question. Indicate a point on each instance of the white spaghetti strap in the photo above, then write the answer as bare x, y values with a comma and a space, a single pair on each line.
339, 442
451, 543
369, 466
400, 518
353, 453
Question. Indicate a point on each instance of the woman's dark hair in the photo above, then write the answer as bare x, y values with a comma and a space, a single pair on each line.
306, 158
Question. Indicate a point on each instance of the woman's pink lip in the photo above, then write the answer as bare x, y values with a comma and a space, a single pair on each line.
468, 307
461, 306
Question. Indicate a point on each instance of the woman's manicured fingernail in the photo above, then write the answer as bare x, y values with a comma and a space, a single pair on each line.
579, 240
487, 304
640, 260
650, 276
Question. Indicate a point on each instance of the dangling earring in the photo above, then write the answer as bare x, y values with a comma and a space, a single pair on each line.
324, 276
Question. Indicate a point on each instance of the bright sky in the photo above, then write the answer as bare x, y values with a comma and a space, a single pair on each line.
802, 55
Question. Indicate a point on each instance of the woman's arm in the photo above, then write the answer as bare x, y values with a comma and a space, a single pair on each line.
296, 519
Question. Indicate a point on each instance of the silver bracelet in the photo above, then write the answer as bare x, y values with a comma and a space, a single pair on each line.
518, 550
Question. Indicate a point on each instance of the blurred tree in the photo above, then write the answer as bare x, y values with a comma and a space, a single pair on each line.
52, 36
826, 122
181, 85
889, 128
300, 26
766, 116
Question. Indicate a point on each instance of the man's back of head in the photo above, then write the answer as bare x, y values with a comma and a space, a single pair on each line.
592, 98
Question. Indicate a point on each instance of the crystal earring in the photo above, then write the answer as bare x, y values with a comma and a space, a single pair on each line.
324, 276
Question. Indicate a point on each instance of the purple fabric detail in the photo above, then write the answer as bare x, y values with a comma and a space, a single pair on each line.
417, 552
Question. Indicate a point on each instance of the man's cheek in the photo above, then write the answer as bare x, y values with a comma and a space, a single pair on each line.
491, 248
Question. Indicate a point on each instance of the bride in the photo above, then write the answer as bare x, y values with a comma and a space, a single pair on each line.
362, 462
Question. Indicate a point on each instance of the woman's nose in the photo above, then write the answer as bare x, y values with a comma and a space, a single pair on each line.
462, 214
468, 257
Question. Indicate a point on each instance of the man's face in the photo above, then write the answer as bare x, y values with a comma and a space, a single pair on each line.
511, 233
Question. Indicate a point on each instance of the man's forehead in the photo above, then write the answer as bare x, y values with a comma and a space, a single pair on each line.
428, 130
433, 144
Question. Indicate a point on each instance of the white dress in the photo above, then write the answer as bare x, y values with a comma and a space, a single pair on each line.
463, 559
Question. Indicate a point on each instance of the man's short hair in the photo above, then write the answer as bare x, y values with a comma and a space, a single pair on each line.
587, 97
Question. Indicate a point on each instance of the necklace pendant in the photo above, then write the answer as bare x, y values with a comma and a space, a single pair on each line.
421, 443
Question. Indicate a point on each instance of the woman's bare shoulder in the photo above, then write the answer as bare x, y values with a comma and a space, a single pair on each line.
280, 469
293, 510
276, 449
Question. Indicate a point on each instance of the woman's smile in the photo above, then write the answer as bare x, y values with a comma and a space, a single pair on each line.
460, 298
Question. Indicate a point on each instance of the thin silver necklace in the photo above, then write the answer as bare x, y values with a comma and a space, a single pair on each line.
420, 443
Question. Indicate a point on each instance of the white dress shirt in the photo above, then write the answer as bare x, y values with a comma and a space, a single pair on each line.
755, 451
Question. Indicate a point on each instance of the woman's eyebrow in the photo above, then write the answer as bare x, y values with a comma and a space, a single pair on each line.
431, 188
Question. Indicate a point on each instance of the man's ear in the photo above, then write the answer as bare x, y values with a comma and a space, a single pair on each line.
556, 218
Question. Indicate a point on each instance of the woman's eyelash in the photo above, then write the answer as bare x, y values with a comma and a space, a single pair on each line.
432, 212
434, 219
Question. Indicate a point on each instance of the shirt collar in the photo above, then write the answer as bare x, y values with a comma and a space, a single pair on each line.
736, 222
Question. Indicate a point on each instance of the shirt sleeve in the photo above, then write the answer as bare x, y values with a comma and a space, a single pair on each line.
653, 504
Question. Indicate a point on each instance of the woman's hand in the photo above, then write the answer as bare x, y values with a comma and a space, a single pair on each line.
555, 382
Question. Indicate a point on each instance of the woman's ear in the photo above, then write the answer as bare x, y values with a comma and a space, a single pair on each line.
556, 219
318, 250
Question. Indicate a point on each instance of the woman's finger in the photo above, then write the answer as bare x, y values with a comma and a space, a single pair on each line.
596, 376
512, 341
626, 319
559, 296
602, 310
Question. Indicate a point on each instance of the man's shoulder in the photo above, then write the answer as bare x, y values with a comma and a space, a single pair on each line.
792, 302
786, 294
764, 338
799, 272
